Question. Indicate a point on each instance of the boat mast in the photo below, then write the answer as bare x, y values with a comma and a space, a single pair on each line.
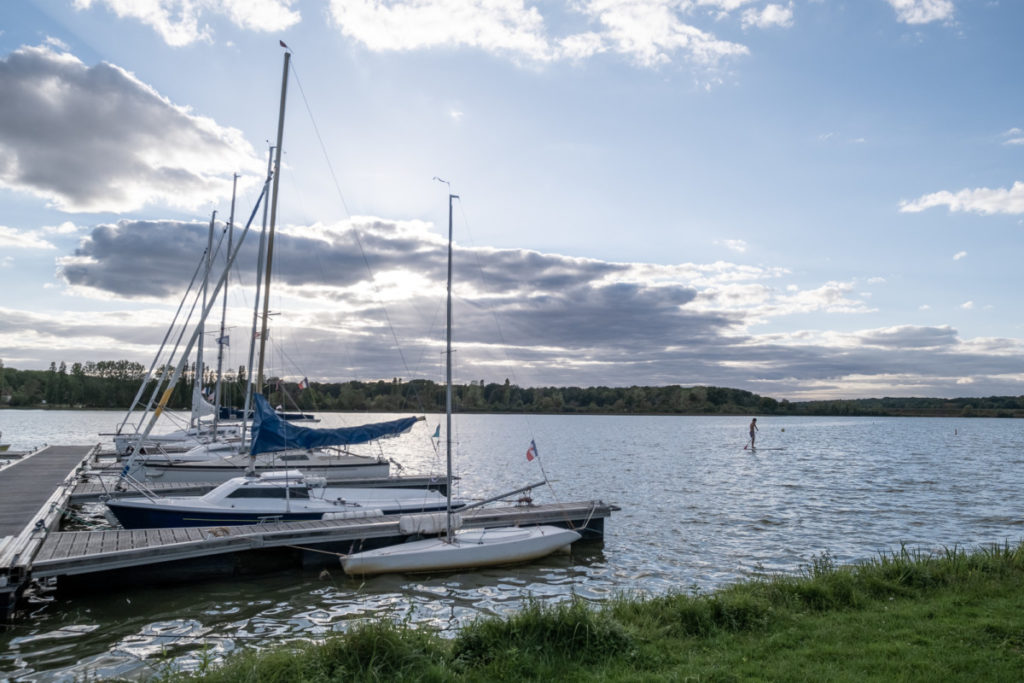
448, 371
256, 306
273, 215
223, 315
197, 377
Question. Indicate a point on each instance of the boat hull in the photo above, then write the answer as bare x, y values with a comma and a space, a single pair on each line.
471, 548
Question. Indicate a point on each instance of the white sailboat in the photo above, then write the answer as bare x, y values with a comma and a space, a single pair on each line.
457, 548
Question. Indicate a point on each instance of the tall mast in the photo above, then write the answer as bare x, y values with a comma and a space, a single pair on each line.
273, 216
448, 370
197, 379
256, 305
223, 315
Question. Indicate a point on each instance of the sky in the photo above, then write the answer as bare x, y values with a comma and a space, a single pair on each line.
807, 199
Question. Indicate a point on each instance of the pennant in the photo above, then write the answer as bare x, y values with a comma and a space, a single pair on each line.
225, 340
437, 432
531, 452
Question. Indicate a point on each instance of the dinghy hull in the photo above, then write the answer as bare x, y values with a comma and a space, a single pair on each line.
470, 549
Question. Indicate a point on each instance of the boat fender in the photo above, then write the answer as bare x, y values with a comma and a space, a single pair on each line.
352, 514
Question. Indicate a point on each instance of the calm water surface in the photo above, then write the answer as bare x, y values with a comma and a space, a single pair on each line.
698, 511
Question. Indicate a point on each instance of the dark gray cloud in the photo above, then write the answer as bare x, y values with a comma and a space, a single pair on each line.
98, 139
536, 319
911, 336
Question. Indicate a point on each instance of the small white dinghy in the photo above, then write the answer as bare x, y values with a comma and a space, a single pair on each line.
456, 549
466, 549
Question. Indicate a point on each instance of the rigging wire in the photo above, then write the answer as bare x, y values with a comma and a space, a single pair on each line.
355, 232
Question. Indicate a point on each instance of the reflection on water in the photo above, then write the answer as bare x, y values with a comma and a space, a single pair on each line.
698, 511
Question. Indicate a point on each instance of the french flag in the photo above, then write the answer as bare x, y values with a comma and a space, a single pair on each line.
531, 452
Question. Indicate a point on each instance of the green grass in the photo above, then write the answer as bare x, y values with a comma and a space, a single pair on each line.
903, 617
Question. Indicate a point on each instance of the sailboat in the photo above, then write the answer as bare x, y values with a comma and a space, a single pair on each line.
457, 548
274, 442
198, 431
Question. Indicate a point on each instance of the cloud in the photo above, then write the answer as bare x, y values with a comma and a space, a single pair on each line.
967, 305
910, 336
501, 26
23, 239
1014, 136
769, 16
959, 255
92, 139
648, 32
980, 200
181, 22
922, 11
739, 246
574, 321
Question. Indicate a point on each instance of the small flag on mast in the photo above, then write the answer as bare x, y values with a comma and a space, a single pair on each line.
437, 432
304, 384
531, 452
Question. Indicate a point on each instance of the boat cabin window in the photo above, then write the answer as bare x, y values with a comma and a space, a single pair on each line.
293, 457
270, 492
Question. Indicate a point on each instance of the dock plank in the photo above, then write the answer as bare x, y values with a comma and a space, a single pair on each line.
27, 484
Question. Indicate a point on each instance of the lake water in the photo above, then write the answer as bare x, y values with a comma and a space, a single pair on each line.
698, 511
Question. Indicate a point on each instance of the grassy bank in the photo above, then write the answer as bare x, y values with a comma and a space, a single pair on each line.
902, 617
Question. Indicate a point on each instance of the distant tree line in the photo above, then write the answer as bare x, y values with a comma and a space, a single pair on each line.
113, 384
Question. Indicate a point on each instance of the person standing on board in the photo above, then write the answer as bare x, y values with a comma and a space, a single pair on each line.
753, 429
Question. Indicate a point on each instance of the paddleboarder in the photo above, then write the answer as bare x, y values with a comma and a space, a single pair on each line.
753, 431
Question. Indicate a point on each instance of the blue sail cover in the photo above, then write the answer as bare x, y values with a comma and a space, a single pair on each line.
271, 433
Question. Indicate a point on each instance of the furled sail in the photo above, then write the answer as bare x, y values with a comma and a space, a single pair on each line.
271, 433
200, 406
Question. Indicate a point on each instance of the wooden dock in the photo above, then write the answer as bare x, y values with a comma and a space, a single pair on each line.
158, 551
35, 492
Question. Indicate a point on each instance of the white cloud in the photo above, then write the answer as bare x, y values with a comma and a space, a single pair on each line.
924, 307
922, 11
959, 255
57, 43
1014, 136
739, 246
499, 25
980, 200
180, 22
22, 239
649, 32
98, 139
65, 228
769, 16
967, 305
